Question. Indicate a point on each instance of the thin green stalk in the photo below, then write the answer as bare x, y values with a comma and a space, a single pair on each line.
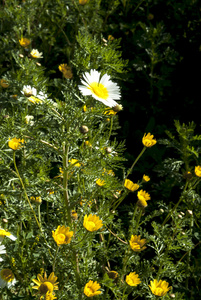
65, 183
54, 261
134, 214
111, 125
39, 215
125, 262
138, 221
26, 196
130, 170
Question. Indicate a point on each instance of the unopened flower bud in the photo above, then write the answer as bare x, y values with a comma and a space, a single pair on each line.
190, 212
187, 175
84, 129
161, 210
172, 295
117, 108
108, 149
5, 220
21, 55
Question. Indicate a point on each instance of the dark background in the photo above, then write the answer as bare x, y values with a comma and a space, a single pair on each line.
172, 92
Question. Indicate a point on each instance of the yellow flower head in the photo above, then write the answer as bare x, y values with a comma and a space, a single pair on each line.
63, 67
137, 244
145, 178
148, 140
66, 70
45, 285
91, 289
49, 296
74, 214
37, 200
82, 2
143, 198
110, 112
24, 42
130, 185
110, 37
133, 279
92, 222
15, 143
159, 288
142, 195
74, 162
62, 235
4, 83
100, 182
198, 171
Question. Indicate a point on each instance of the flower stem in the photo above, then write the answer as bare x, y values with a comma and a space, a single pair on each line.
138, 221
65, 183
54, 261
26, 196
131, 168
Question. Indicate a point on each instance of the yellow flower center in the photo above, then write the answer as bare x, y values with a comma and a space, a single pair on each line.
61, 238
136, 245
7, 275
45, 287
4, 233
91, 225
159, 291
99, 90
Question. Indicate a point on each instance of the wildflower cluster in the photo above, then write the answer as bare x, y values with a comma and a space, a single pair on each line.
83, 224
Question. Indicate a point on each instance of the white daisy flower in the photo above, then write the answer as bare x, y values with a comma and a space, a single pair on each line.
36, 54
32, 95
102, 89
29, 120
2, 250
7, 278
4, 233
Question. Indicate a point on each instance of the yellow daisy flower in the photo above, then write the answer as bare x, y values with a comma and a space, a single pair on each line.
100, 182
74, 162
62, 235
83, 2
24, 42
4, 83
15, 143
198, 171
159, 288
45, 284
145, 178
137, 244
148, 140
92, 289
130, 185
92, 222
133, 279
143, 198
